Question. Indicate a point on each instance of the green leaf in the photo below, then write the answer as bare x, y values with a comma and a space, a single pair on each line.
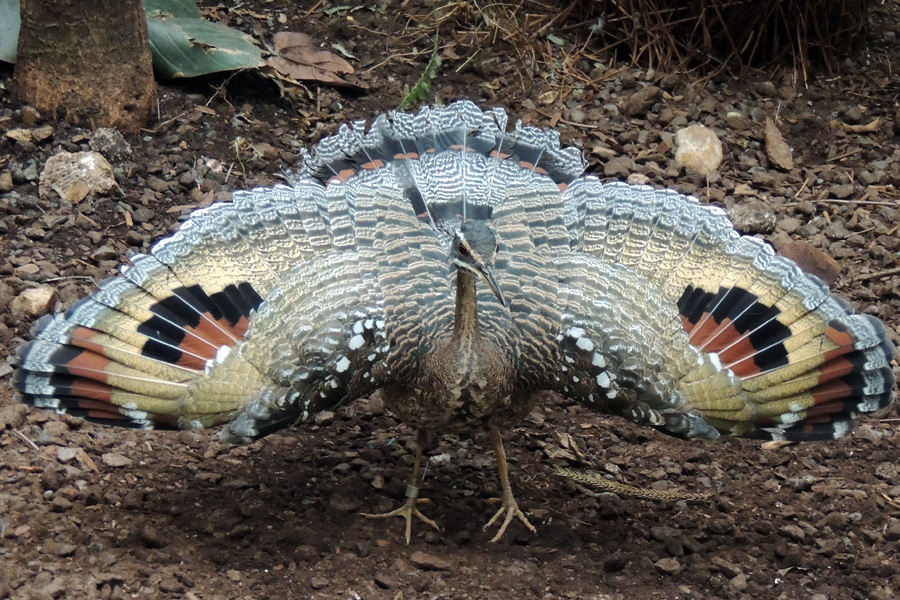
193, 47
343, 51
423, 86
183, 9
9, 30
556, 39
334, 10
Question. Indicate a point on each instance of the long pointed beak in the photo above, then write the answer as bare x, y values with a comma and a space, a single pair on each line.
487, 273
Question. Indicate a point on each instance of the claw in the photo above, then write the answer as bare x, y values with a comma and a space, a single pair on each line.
511, 508
407, 511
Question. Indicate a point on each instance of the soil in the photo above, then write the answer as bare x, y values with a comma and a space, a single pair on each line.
93, 512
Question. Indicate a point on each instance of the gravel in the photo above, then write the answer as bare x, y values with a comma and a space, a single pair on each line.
88, 511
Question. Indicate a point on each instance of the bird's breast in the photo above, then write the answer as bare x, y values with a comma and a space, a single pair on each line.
460, 388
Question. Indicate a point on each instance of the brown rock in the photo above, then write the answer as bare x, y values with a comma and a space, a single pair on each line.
39, 134
751, 216
30, 115
267, 151
60, 504
728, 569
73, 175
170, 585
789, 224
668, 566
151, 538
776, 148
640, 102
811, 259
114, 459
345, 503
793, 532
13, 416
738, 583
104, 253
619, 166
30, 268
429, 562
385, 581
842, 191
34, 302
133, 238
737, 121
324, 418
698, 149
110, 143
133, 500
892, 532
20, 135
836, 520
51, 480
57, 549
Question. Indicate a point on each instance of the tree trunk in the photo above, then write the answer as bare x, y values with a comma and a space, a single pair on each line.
87, 61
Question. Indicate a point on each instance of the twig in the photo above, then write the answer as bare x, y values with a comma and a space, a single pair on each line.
891, 501
393, 57
879, 274
869, 202
67, 278
26, 468
847, 154
308, 13
567, 122
802, 187
26, 439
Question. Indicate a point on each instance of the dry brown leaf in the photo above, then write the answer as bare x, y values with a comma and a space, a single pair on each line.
568, 443
300, 48
86, 461
870, 127
559, 453
298, 58
449, 52
743, 189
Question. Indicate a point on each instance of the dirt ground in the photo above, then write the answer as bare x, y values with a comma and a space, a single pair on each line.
94, 512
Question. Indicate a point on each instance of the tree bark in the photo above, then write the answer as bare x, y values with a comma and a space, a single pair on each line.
87, 61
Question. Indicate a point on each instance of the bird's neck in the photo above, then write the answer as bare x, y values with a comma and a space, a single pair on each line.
465, 325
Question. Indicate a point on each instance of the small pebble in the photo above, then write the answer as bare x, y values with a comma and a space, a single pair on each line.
668, 566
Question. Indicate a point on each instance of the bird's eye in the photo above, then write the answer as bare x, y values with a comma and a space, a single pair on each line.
497, 249
463, 251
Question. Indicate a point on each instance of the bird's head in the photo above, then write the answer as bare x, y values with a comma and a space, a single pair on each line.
474, 249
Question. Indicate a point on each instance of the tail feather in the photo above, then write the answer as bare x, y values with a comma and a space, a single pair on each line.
807, 365
133, 353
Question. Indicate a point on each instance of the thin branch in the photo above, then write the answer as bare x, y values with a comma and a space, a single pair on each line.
878, 274
26, 439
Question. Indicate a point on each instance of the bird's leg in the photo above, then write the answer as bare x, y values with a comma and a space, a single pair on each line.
510, 506
409, 508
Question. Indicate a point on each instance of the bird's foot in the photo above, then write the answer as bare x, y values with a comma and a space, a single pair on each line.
511, 509
407, 511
